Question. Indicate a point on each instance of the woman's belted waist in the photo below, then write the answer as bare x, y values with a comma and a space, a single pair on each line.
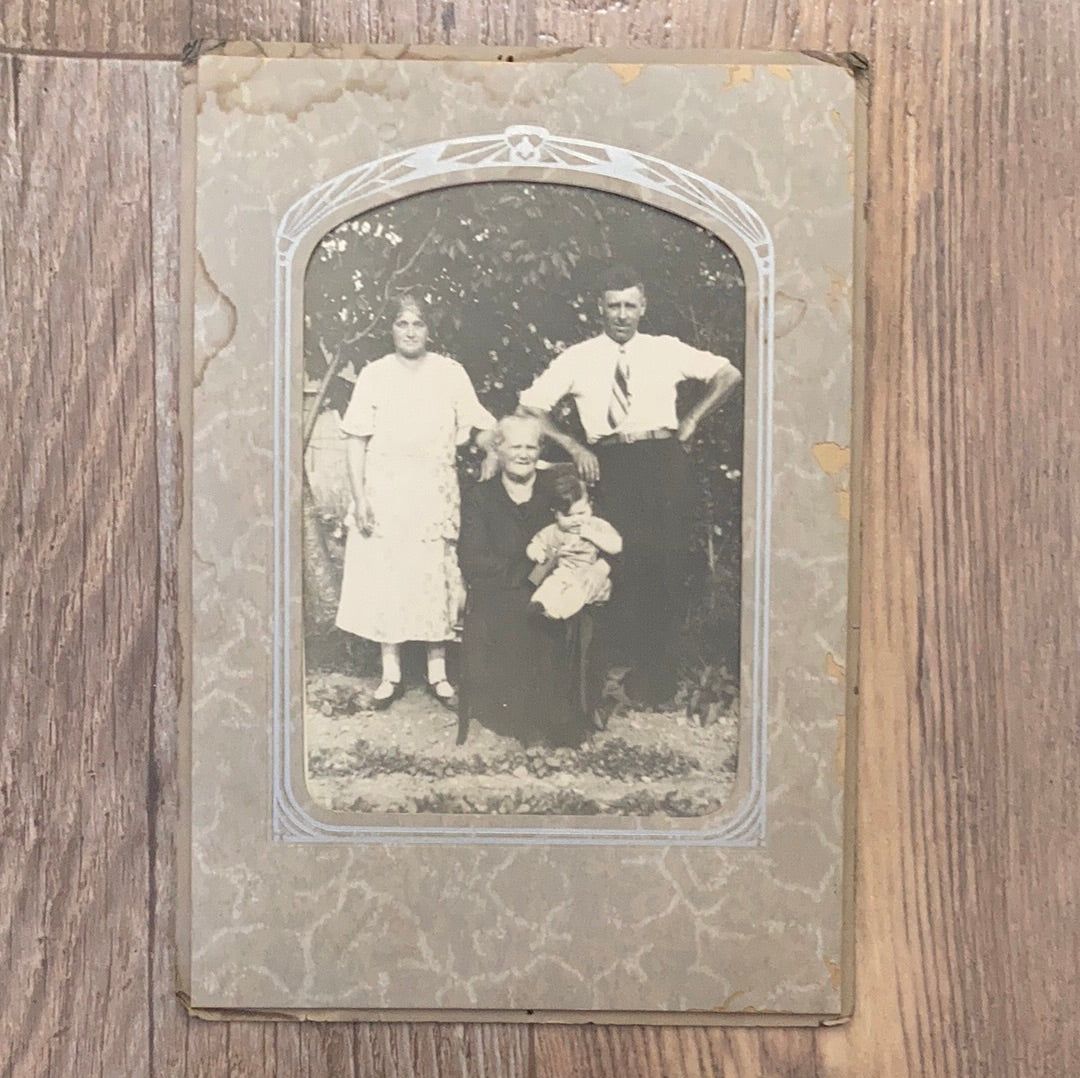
636, 436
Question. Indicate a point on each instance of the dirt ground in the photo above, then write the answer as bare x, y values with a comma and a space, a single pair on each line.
404, 759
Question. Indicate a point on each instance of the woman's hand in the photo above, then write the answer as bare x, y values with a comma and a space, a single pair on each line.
362, 514
489, 466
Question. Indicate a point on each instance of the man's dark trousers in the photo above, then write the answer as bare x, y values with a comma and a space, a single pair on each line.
645, 491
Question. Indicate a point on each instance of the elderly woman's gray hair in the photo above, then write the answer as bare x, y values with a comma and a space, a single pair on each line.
516, 423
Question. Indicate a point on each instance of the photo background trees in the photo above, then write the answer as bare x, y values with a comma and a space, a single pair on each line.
510, 271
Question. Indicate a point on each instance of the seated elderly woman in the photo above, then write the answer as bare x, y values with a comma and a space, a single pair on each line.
521, 674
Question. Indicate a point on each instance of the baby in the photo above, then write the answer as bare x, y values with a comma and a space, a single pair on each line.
572, 545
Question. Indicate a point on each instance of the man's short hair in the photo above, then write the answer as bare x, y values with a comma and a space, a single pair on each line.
621, 276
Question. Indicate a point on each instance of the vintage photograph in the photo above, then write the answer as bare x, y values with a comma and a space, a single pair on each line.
523, 445
522, 492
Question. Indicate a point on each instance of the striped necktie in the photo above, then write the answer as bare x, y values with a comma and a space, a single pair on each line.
619, 405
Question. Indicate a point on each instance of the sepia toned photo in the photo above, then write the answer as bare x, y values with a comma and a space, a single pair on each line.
522, 491
521, 505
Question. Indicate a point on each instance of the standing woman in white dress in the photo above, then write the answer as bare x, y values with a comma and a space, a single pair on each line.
408, 413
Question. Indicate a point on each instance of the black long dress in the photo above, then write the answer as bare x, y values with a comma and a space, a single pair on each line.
522, 674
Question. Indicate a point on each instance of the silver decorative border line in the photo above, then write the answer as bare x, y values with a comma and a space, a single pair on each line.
518, 148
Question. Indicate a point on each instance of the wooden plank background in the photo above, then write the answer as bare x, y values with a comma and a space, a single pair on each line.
968, 924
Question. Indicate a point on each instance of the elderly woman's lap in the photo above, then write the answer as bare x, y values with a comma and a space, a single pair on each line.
525, 676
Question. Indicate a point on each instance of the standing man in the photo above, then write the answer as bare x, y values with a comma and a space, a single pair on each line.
625, 384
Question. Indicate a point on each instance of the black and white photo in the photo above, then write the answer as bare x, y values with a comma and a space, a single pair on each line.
522, 506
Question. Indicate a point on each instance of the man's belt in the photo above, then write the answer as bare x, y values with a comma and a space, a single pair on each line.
635, 436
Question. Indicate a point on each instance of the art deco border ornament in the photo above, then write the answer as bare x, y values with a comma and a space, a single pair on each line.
530, 153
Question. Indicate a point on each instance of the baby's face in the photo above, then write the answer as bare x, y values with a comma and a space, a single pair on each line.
572, 519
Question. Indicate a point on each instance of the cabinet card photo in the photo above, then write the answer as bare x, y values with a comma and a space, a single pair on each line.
522, 400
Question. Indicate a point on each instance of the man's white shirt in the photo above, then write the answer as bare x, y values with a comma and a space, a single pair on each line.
657, 365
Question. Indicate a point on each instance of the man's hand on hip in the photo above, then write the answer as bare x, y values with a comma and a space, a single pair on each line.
687, 430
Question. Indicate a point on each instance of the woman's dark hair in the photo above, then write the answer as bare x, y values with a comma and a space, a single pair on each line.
410, 301
568, 491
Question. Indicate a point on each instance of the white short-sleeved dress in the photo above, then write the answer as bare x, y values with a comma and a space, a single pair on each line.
402, 582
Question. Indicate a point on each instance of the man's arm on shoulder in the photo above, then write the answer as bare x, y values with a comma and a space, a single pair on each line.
550, 387
584, 459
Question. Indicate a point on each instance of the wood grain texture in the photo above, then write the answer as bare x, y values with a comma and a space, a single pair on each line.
968, 917
131, 28
78, 564
427, 22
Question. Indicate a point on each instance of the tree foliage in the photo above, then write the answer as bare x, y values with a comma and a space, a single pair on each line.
510, 271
